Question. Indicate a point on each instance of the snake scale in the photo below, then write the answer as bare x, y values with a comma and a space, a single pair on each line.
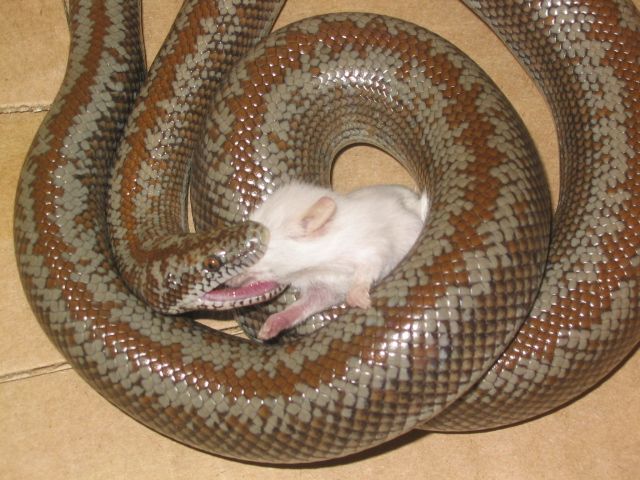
458, 337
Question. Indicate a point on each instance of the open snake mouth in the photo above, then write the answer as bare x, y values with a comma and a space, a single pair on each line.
244, 295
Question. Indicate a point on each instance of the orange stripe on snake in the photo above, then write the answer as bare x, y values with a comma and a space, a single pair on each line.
471, 331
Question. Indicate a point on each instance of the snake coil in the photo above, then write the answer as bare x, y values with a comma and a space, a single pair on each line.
459, 337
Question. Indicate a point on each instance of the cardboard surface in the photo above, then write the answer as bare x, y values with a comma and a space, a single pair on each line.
23, 344
56, 427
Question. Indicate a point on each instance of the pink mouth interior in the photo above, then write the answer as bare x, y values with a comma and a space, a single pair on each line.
255, 289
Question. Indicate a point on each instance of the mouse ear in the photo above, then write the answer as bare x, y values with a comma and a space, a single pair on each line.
317, 215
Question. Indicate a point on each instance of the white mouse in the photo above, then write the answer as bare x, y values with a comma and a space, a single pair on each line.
332, 247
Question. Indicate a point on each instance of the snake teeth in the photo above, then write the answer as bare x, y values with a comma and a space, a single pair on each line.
233, 297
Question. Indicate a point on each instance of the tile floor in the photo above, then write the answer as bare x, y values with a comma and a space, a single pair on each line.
54, 426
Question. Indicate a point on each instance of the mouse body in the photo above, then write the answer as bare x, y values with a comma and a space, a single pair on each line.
332, 247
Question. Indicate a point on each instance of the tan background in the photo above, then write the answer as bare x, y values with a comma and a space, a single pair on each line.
55, 426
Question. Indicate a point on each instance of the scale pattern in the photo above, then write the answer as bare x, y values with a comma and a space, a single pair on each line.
445, 329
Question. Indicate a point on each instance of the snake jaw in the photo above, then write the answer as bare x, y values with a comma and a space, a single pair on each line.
226, 298
193, 265
242, 289
235, 286
218, 290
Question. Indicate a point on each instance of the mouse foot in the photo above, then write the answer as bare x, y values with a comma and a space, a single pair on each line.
311, 301
278, 322
358, 296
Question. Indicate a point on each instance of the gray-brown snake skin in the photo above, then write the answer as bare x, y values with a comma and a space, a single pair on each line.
443, 346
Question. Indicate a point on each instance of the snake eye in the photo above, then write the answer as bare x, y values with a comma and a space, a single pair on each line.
214, 262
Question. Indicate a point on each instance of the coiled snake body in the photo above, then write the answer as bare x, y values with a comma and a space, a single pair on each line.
445, 334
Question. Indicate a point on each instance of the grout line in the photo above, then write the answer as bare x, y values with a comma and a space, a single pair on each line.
24, 109
64, 366
34, 372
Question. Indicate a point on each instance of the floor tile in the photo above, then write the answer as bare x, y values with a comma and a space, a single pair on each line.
59, 428
33, 52
23, 345
34, 41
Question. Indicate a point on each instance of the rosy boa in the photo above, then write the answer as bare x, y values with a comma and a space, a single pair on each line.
444, 346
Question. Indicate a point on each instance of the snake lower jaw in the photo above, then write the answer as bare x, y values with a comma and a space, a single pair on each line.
229, 297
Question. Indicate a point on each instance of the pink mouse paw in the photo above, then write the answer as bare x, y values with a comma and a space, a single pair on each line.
275, 324
358, 296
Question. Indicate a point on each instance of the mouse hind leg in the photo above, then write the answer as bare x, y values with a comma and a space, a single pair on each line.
312, 300
358, 295
363, 278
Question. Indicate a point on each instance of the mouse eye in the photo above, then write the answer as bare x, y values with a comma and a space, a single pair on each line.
214, 262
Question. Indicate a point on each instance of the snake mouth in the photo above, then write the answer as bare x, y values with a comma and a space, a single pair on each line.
244, 295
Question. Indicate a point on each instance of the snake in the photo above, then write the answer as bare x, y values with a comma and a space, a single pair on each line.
499, 313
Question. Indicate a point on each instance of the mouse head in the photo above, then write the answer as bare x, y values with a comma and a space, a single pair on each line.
297, 221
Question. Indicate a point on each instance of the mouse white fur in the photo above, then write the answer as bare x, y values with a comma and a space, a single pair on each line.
332, 247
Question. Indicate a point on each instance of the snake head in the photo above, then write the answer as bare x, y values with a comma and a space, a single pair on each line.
189, 271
